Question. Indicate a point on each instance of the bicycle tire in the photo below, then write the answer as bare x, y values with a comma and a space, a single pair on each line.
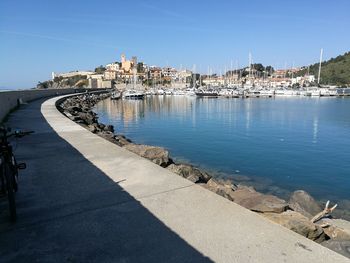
10, 191
15, 173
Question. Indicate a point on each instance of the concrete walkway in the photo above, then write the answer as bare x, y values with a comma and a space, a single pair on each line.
84, 199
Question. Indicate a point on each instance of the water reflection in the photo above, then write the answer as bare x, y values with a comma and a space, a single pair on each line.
291, 143
315, 129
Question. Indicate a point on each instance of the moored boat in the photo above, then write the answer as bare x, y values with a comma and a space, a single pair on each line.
207, 93
116, 95
133, 94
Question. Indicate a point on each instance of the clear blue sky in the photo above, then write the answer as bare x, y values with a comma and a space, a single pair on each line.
40, 36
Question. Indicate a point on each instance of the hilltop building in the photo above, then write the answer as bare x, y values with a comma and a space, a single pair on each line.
71, 74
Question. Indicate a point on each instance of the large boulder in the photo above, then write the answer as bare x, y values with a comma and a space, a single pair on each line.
109, 128
219, 187
88, 118
300, 201
92, 128
109, 136
337, 229
299, 224
74, 109
158, 155
258, 202
341, 247
191, 173
121, 140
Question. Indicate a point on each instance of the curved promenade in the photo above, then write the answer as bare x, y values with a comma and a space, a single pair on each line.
84, 199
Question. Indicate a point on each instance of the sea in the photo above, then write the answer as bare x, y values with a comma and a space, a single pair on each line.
278, 145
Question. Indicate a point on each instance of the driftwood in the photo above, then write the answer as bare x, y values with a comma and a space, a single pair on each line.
326, 211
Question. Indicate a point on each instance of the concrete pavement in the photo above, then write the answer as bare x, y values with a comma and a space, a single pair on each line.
84, 199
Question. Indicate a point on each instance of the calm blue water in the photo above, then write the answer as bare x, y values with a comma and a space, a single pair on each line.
277, 145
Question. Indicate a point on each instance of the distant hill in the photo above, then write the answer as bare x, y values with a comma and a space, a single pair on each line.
335, 71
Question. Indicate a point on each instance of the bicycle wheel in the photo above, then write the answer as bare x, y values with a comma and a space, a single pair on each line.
10, 191
15, 174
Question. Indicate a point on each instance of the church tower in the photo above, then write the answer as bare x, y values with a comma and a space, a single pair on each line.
123, 58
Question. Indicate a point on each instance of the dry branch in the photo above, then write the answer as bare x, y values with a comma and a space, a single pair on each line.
326, 211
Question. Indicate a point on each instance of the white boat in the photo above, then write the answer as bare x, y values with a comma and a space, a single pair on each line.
133, 94
179, 92
168, 92
116, 95
286, 92
207, 92
313, 91
230, 93
160, 92
267, 92
190, 92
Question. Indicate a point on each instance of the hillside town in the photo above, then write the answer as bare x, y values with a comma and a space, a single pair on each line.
253, 80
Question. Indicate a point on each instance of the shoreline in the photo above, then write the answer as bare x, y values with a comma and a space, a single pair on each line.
294, 214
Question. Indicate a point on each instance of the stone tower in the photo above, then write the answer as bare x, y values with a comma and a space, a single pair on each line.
123, 58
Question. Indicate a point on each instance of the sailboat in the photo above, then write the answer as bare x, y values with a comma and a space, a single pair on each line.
315, 91
133, 93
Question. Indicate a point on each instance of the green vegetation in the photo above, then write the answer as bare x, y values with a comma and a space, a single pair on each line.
100, 70
72, 81
45, 84
335, 71
258, 69
140, 68
60, 82
150, 82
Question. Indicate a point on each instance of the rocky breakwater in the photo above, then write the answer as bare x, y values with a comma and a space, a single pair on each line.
296, 214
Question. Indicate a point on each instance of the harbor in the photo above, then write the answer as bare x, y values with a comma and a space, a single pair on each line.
236, 91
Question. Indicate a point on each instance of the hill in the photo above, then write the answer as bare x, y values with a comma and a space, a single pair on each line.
335, 71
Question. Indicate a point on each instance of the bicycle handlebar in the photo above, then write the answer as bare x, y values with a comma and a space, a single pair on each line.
19, 134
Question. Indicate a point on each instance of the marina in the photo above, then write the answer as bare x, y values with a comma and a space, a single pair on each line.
236, 92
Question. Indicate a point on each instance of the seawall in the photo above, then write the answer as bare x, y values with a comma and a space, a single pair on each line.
215, 227
9, 100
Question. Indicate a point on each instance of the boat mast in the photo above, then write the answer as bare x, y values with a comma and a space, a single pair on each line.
194, 76
134, 77
250, 64
231, 75
319, 68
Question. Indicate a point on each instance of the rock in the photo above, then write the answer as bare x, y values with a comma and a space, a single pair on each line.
76, 119
341, 247
109, 128
219, 188
92, 128
74, 109
158, 155
101, 126
249, 198
191, 173
338, 229
300, 201
107, 135
229, 184
337, 233
87, 118
121, 140
299, 224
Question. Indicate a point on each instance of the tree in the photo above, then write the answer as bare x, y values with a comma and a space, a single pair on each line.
140, 68
258, 67
100, 70
269, 70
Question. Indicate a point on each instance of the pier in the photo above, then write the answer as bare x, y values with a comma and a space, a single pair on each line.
84, 199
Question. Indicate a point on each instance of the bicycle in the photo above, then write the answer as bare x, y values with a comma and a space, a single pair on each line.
9, 168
